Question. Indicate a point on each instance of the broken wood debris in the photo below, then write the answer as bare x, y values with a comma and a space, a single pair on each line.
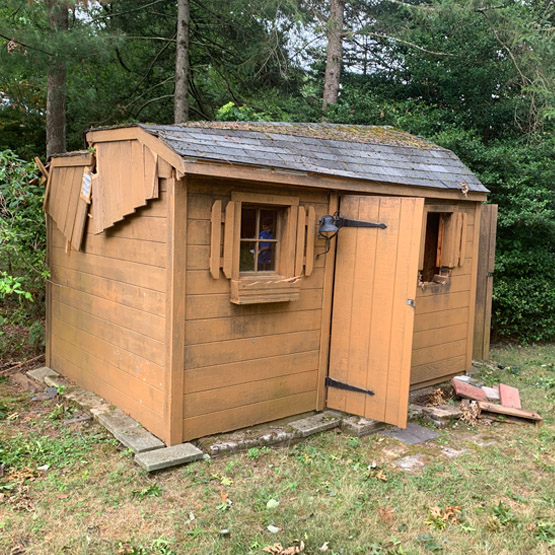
511, 411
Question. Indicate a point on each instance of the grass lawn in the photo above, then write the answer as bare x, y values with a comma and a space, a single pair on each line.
333, 493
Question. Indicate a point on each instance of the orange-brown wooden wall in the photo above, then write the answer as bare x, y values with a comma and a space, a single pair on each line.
106, 314
444, 319
250, 363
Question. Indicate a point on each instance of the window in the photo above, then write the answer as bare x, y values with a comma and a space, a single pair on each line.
268, 244
443, 241
259, 238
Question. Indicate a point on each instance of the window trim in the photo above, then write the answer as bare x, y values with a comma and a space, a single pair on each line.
295, 256
451, 245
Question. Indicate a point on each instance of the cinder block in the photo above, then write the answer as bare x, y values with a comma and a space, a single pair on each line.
359, 426
168, 457
127, 431
40, 374
314, 424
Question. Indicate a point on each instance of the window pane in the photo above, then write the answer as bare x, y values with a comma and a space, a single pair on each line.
268, 224
248, 223
246, 256
266, 256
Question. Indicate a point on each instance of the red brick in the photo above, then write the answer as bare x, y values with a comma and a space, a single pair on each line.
468, 391
510, 397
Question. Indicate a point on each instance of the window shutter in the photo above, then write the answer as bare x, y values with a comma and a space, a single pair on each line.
462, 249
301, 233
216, 239
229, 234
310, 232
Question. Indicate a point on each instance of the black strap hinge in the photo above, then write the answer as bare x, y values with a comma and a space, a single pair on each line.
344, 222
330, 382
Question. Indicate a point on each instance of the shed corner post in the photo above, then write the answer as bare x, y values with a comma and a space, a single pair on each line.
48, 315
175, 310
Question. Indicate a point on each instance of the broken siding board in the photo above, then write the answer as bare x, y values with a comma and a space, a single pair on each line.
248, 415
137, 174
256, 391
75, 181
79, 224
220, 376
151, 175
109, 332
439, 303
437, 320
126, 178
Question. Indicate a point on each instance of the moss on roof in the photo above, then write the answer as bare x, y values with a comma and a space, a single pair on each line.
375, 134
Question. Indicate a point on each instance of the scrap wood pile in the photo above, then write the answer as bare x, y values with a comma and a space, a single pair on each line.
500, 399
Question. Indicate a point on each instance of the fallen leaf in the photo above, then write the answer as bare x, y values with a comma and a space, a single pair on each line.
381, 475
324, 546
223, 495
386, 513
273, 529
63, 496
191, 516
272, 504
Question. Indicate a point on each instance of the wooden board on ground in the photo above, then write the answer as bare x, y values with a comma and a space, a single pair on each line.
510, 411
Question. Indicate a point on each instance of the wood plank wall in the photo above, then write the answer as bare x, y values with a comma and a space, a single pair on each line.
107, 324
245, 364
442, 342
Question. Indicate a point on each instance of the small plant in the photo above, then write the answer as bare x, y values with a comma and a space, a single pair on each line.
254, 452
503, 514
154, 490
354, 442
60, 412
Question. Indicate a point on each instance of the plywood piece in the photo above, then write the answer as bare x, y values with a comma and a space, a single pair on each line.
372, 325
215, 239
510, 411
310, 233
509, 396
125, 164
137, 174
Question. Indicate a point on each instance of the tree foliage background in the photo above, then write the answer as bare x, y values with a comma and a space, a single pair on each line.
475, 76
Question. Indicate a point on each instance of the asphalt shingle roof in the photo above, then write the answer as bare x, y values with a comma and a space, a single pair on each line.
374, 153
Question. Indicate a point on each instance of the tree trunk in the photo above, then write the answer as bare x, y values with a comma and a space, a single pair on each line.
334, 53
181, 100
56, 84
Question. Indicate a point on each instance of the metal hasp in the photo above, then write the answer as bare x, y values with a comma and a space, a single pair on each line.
344, 222
330, 382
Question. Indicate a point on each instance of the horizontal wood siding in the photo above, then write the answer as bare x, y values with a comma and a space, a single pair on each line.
441, 340
107, 314
245, 364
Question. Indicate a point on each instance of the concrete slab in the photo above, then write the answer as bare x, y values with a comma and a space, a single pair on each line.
412, 435
468, 391
314, 424
168, 457
509, 396
40, 373
358, 426
55, 381
411, 463
451, 453
127, 431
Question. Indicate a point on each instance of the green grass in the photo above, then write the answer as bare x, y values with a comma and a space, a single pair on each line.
330, 488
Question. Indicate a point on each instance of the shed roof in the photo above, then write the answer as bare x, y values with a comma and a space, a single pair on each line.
355, 151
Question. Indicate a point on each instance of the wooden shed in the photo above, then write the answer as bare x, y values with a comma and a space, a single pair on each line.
191, 286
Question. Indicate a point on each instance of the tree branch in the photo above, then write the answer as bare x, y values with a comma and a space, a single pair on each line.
108, 15
151, 101
10, 39
407, 43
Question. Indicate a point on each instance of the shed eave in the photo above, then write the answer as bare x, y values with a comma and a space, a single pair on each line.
266, 174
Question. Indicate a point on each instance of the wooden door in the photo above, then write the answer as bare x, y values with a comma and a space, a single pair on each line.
373, 307
484, 282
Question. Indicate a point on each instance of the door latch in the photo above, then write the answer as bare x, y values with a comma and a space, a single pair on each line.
411, 302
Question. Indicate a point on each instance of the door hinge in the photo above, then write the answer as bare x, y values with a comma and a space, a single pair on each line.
345, 222
411, 302
330, 382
